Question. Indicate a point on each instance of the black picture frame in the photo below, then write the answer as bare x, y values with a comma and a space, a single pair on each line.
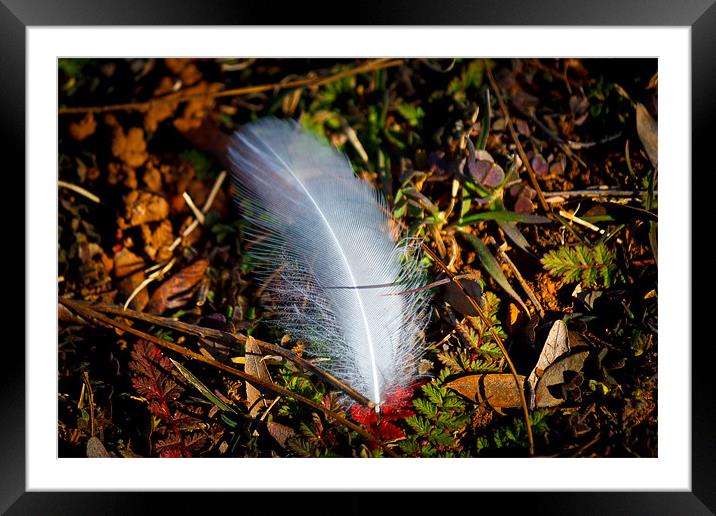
17, 15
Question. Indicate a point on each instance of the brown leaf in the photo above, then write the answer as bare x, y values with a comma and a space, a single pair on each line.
120, 173
96, 450
498, 390
126, 262
84, 128
557, 344
141, 208
153, 179
157, 240
648, 131
196, 108
281, 433
131, 147
174, 292
255, 366
128, 284
515, 317
554, 375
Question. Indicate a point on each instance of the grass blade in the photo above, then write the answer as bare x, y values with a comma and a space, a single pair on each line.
489, 263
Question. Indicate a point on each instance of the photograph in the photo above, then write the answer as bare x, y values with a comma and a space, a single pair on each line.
366, 257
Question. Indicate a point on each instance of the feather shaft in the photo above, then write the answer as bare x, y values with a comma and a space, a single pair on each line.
327, 237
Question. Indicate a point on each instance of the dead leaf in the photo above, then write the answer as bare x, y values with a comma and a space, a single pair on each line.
96, 450
557, 344
185, 68
141, 208
255, 366
157, 240
196, 108
128, 268
515, 317
128, 285
281, 433
131, 147
84, 128
120, 173
175, 291
554, 375
153, 179
498, 390
648, 131
126, 262
162, 109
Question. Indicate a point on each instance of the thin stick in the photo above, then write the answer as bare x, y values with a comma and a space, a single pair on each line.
199, 215
87, 312
581, 222
376, 64
501, 252
156, 274
229, 339
78, 189
207, 204
90, 398
596, 192
214, 191
486, 321
516, 140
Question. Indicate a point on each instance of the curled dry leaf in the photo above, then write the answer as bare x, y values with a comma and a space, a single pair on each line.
153, 179
175, 291
197, 108
498, 390
554, 375
128, 285
96, 450
129, 270
126, 263
281, 433
187, 74
557, 344
120, 173
185, 69
84, 128
131, 147
141, 208
157, 240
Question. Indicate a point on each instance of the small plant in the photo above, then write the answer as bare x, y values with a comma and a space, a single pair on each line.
439, 423
513, 434
172, 420
590, 266
482, 354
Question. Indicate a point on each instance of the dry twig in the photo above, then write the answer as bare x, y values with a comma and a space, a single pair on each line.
498, 340
370, 66
85, 311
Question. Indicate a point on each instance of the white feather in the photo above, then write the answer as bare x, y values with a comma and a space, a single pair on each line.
325, 231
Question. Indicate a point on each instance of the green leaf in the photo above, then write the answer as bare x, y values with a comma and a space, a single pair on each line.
413, 114
583, 264
202, 388
507, 216
489, 263
514, 234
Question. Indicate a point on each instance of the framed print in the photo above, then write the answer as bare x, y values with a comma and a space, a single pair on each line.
421, 251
